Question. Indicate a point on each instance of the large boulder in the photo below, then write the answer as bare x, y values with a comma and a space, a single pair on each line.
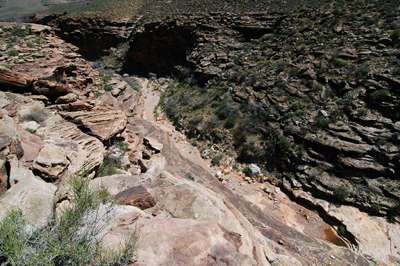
33, 196
136, 196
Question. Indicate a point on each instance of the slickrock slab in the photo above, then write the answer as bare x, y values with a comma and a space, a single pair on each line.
101, 122
168, 241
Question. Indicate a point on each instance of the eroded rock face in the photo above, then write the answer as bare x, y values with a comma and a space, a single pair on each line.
51, 161
51, 88
101, 122
84, 152
168, 241
15, 80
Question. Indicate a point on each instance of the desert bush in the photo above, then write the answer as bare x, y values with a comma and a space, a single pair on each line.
340, 62
122, 146
36, 113
342, 192
216, 160
12, 53
321, 122
362, 72
19, 32
69, 240
109, 167
379, 96
230, 122
396, 67
395, 34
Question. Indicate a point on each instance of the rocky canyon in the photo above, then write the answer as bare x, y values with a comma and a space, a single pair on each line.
221, 133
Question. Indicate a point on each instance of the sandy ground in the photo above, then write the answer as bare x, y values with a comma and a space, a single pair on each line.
274, 201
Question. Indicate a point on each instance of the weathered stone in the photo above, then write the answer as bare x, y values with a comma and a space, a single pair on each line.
136, 196
206, 153
152, 144
30, 126
50, 88
144, 165
3, 177
33, 196
70, 97
102, 122
37, 28
253, 170
15, 80
198, 242
51, 161
84, 153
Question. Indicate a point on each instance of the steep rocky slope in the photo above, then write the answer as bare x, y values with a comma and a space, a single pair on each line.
51, 128
310, 96
313, 92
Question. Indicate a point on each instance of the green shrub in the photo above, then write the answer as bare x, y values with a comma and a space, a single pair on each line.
284, 145
379, 96
340, 62
12, 53
122, 146
395, 34
342, 192
230, 122
362, 72
216, 160
321, 122
109, 167
295, 106
358, 44
19, 32
396, 67
69, 240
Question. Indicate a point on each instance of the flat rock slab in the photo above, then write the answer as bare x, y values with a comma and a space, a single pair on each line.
169, 241
136, 196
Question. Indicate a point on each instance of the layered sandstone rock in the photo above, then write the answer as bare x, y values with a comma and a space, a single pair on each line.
101, 122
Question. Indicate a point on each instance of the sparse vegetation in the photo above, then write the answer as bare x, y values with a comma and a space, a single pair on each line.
342, 192
68, 240
109, 167
36, 113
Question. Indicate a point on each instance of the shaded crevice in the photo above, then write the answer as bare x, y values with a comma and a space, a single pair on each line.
161, 50
94, 37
